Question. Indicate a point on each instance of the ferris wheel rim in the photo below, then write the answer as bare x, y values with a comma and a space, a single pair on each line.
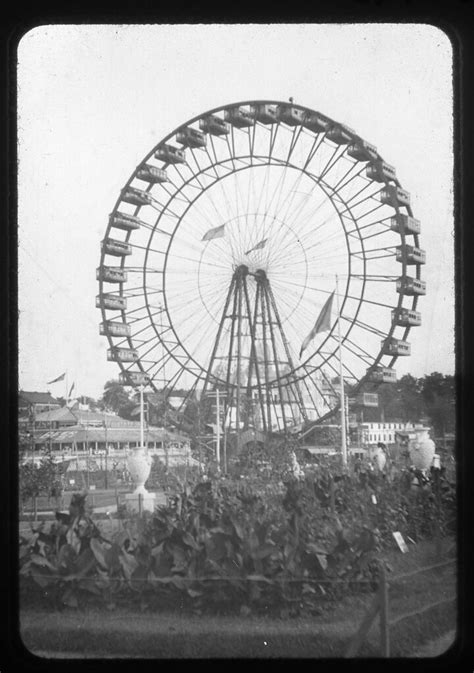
137, 210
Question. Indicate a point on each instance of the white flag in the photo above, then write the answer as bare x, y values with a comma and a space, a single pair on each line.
322, 324
259, 246
217, 232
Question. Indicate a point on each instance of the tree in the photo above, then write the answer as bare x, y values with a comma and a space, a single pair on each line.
115, 398
43, 479
438, 393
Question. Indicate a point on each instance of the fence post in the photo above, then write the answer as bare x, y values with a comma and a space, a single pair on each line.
332, 494
140, 503
35, 508
438, 512
384, 624
364, 627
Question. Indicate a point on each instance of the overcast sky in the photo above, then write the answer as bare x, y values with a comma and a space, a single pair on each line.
94, 100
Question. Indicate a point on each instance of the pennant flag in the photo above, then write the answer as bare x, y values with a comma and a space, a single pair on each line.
259, 246
60, 378
322, 324
71, 389
217, 232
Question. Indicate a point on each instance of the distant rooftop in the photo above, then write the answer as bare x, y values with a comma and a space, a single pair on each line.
74, 415
37, 398
79, 433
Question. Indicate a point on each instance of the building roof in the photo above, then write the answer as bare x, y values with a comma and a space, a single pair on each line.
80, 434
63, 414
37, 398
76, 416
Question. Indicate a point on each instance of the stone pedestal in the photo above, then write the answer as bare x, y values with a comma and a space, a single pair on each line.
148, 503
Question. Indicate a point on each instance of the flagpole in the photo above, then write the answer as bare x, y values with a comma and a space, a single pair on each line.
66, 388
341, 382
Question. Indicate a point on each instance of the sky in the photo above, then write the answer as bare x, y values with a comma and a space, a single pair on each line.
93, 100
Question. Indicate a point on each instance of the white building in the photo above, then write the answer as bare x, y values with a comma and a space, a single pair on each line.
372, 433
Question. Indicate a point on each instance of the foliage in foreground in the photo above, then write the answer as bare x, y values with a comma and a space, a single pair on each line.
226, 545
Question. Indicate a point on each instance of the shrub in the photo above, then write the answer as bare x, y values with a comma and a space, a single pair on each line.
222, 544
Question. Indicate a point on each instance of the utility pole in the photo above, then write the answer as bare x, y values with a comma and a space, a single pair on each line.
106, 457
225, 447
218, 430
218, 426
341, 381
141, 417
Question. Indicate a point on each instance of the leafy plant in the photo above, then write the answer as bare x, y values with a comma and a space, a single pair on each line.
246, 545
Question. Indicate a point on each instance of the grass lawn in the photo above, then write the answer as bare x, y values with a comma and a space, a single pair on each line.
130, 634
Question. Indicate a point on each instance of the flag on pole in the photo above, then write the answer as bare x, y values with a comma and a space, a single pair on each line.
60, 378
259, 246
322, 324
217, 232
71, 389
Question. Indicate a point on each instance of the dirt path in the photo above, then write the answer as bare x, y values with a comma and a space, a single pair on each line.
434, 648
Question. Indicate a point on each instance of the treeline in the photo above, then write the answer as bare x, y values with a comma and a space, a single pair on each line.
431, 398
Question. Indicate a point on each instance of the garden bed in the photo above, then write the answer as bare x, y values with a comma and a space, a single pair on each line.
251, 569
175, 634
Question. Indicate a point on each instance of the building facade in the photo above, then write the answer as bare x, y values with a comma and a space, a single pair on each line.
373, 433
30, 405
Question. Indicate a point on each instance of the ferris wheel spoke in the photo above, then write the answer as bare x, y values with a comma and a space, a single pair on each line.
145, 316
141, 343
260, 234
318, 140
318, 244
299, 208
216, 160
360, 228
351, 196
362, 215
277, 190
129, 291
297, 130
364, 326
252, 139
377, 233
172, 382
329, 364
356, 350
389, 249
142, 270
273, 134
274, 241
334, 158
378, 278
354, 176
142, 307
367, 197
311, 214
231, 146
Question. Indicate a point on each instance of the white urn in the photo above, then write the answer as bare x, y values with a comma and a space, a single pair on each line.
421, 449
295, 467
139, 465
378, 456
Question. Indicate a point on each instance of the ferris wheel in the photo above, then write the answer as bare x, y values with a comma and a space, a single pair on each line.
226, 248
